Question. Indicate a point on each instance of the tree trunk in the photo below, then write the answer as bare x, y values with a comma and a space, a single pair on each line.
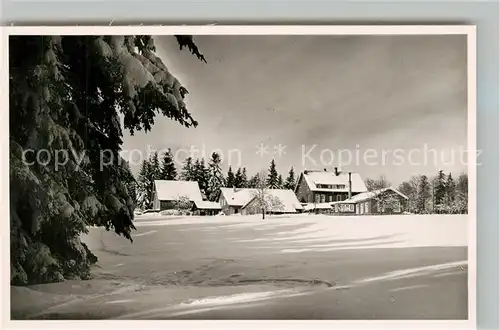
263, 214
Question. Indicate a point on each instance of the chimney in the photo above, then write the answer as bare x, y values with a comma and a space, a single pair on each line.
336, 170
350, 187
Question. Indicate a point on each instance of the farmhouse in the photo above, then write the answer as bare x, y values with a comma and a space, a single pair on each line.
242, 200
316, 186
169, 193
278, 201
383, 201
232, 199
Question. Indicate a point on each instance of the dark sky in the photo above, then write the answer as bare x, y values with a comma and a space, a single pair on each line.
336, 92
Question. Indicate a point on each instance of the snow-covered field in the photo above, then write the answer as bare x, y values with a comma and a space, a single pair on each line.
394, 231
176, 265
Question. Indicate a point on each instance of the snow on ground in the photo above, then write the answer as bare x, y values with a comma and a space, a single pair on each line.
394, 231
179, 263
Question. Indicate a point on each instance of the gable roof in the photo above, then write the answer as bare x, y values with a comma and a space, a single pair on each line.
206, 205
372, 194
316, 177
243, 196
168, 190
286, 196
237, 196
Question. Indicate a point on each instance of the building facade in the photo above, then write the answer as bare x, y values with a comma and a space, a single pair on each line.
232, 200
383, 201
315, 186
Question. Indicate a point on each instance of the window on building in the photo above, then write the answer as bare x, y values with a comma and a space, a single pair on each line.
323, 198
366, 207
317, 198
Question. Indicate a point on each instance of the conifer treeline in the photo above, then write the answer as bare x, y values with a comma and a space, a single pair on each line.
441, 194
210, 177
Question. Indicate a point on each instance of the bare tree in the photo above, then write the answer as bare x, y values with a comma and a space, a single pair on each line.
410, 189
265, 201
275, 204
379, 183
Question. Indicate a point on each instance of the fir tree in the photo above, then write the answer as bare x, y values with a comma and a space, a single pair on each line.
155, 167
201, 175
150, 171
238, 179
280, 182
216, 178
462, 192
230, 179
290, 180
254, 181
144, 189
244, 179
168, 170
188, 171
450, 190
439, 188
272, 177
66, 93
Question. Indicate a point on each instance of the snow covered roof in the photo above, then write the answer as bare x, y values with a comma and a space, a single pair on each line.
314, 178
371, 194
287, 197
237, 196
242, 196
206, 205
168, 190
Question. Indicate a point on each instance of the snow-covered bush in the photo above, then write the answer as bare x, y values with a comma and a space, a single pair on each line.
171, 212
